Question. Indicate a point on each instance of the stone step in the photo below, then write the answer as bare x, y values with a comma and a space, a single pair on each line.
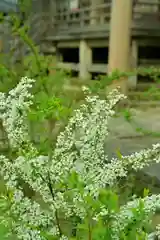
147, 95
143, 103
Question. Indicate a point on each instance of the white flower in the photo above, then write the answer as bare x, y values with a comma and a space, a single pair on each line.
151, 204
13, 109
78, 158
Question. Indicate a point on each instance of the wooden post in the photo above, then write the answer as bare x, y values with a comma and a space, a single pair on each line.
95, 13
85, 59
58, 55
134, 64
1, 45
120, 34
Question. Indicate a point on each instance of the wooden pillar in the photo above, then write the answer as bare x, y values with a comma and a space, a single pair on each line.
1, 45
134, 64
85, 59
53, 8
58, 55
95, 12
120, 34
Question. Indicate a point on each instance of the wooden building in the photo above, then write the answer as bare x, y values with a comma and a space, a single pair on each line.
79, 32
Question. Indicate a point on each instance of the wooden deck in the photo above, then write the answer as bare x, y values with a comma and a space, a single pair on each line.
94, 21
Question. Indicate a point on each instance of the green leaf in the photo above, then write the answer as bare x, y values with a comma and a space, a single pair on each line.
118, 153
146, 192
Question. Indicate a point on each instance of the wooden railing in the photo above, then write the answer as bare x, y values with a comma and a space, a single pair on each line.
84, 17
100, 15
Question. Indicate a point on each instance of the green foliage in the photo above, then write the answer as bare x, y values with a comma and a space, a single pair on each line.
88, 228
5, 218
102, 229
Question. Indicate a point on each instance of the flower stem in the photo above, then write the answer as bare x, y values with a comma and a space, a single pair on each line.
56, 212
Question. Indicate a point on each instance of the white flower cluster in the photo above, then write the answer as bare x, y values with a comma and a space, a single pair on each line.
157, 233
13, 109
150, 205
78, 158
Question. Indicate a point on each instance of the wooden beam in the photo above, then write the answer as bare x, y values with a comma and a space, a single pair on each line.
102, 32
96, 43
102, 68
93, 68
68, 44
148, 42
98, 68
68, 66
149, 62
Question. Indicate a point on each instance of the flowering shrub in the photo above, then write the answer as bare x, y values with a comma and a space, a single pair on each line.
76, 180
13, 110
